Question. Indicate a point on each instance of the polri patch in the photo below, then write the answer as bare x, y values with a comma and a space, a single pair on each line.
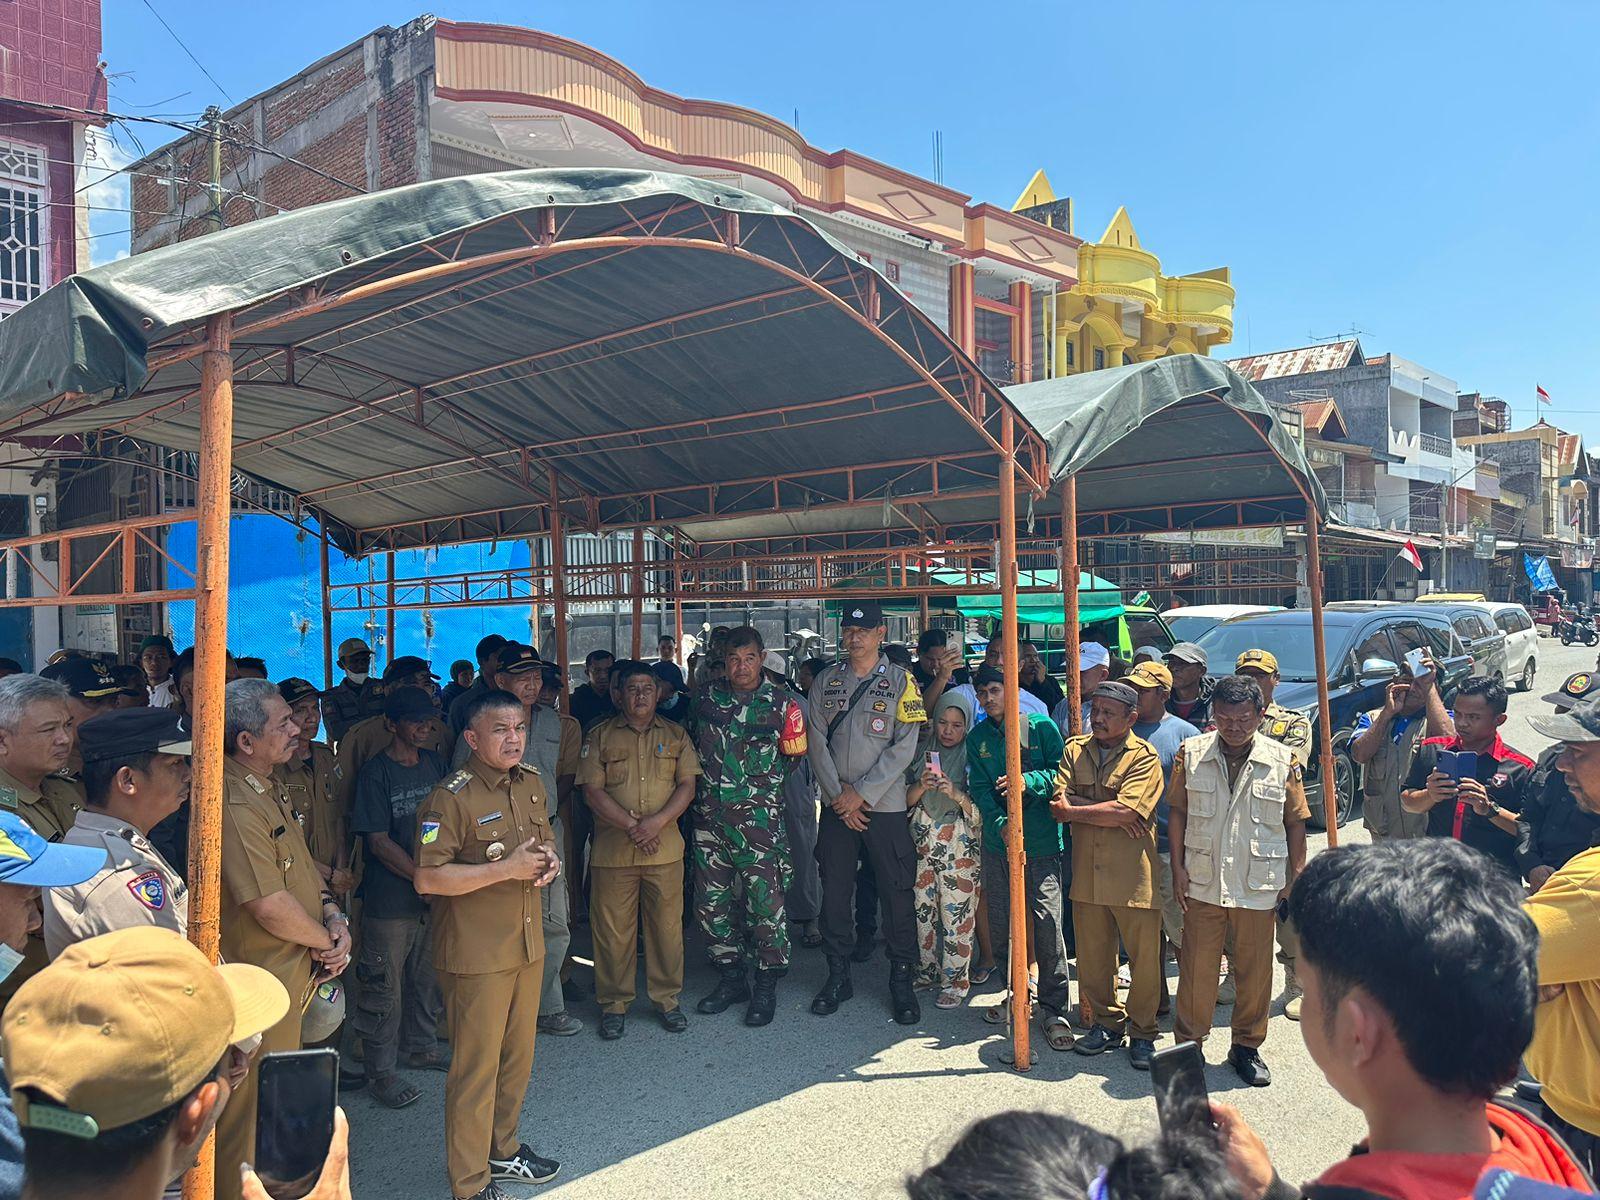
150, 890
430, 832
880, 706
879, 724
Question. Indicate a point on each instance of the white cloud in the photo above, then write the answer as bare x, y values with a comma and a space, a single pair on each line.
108, 197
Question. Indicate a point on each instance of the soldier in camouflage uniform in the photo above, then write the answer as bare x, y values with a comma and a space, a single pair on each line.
747, 731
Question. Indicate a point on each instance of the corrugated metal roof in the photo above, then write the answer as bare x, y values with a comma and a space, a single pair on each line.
1330, 356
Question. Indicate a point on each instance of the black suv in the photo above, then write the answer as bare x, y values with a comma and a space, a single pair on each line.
1366, 642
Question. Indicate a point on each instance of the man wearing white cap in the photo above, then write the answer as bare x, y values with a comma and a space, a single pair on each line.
1094, 668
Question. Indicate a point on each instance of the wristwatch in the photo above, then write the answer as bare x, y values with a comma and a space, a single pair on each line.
338, 916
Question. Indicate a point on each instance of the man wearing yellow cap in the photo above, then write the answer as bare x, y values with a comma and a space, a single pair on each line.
120, 1056
1283, 725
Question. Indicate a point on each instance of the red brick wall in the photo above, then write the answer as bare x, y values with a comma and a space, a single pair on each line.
295, 106
50, 52
341, 154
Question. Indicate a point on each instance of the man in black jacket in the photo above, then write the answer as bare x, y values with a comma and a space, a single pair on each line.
1551, 827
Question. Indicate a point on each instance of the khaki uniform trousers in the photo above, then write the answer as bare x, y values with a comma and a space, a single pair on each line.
1099, 928
236, 1128
1250, 935
493, 1019
620, 898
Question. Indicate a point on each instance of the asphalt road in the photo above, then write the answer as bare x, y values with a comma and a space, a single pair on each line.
849, 1104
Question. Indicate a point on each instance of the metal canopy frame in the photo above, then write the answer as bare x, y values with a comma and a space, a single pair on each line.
303, 368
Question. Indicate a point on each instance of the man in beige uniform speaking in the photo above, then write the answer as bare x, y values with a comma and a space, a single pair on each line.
483, 852
135, 772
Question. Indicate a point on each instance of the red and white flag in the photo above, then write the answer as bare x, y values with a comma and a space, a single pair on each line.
1544, 396
1409, 553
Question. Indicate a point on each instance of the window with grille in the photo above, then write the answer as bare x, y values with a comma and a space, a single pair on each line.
24, 207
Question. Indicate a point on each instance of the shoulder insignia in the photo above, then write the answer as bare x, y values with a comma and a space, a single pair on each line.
256, 785
430, 832
8, 797
457, 781
584, 753
910, 711
150, 890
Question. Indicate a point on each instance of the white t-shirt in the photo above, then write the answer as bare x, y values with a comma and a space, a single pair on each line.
1030, 702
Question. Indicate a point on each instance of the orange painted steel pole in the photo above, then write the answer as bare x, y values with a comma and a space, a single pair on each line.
388, 630
1330, 796
1016, 857
327, 612
1070, 570
638, 592
558, 581
210, 677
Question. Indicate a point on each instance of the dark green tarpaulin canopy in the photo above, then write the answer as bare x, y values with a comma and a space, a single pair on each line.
410, 364
1177, 443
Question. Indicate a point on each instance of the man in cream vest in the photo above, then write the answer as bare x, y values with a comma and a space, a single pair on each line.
1238, 838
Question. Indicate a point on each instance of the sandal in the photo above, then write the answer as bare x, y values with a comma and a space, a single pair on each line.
393, 1092
810, 937
1058, 1032
949, 999
981, 975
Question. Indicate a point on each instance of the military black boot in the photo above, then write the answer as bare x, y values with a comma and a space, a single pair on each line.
836, 990
902, 994
763, 999
731, 989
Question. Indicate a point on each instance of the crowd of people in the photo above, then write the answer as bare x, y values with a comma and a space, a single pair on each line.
406, 890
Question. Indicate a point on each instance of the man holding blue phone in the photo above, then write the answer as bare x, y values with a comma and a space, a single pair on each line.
1471, 785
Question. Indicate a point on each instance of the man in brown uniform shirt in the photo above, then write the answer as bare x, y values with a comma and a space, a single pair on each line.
275, 911
637, 771
1107, 787
36, 739
483, 850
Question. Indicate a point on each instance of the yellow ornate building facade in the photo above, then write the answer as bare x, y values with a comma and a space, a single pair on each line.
1122, 309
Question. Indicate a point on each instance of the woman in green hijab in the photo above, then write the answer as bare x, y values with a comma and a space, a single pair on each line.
947, 830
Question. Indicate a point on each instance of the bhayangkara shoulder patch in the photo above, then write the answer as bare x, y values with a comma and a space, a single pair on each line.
150, 890
910, 711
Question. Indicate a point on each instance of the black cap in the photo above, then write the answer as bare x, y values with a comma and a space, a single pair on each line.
1575, 690
157, 639
862, 614
517, 659
409, 704
123, 732
88, 678
294, 689
406, 664
1120, 692
987, 674
491, 644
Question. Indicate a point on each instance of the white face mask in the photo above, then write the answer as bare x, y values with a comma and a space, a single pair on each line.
355, 678
9, 960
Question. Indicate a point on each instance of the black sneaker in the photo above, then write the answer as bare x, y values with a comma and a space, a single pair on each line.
489, 1192
1247, 1064
523, 1167
1140, 1052
1097, 1041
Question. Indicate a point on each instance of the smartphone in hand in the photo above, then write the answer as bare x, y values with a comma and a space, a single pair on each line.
933, 762
1415, 664
1178, 1077
294, 1119
1458, 764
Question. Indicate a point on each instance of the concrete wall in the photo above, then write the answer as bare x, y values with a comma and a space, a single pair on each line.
1362, 393
924, 275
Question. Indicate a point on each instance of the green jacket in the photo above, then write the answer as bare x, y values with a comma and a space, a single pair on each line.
986, 763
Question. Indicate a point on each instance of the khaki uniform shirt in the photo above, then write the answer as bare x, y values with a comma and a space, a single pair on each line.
364, 742
479, 815
1288, 728
1108, 866
49, 811
1235, 837
640, 771
135, 887
263, 853
312, 787
554, 743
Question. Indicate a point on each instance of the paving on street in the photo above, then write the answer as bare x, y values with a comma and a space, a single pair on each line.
812, 1106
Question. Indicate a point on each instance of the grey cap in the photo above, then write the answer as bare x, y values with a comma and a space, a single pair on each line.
1120, 692
1580, 723
1189, 652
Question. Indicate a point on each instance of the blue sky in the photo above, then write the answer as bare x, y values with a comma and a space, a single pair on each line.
1423, 172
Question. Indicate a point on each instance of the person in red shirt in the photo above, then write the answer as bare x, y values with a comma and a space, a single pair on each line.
1481, 809
1420, 975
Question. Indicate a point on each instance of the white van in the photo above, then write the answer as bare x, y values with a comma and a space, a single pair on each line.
1522, 637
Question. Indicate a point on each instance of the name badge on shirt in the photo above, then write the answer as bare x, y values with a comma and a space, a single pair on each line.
496, 815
